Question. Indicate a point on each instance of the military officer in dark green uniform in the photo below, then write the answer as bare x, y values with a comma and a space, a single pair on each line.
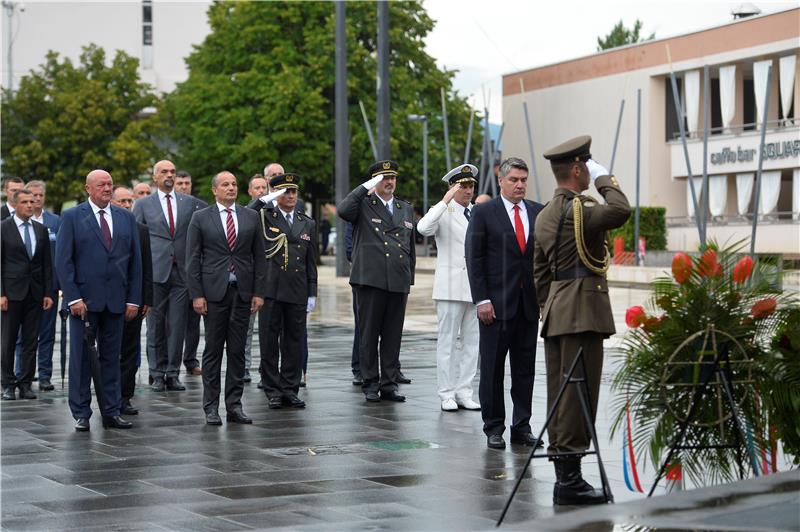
382, 274
570, 262
291, 290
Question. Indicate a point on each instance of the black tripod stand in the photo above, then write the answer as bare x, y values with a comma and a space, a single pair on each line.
586, 408
721, 368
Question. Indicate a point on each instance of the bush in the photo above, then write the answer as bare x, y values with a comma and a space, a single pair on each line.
652, 226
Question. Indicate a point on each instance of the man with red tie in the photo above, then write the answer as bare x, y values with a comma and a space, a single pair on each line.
499, 253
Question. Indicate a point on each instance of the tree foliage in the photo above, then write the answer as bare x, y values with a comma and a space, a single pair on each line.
66, 120
261, 89
620, 36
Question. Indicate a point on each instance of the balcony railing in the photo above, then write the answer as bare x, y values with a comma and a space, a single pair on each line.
738, 129
780, 217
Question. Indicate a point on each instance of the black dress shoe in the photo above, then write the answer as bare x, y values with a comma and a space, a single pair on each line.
402, 379
128, 409
247, 378
293, 401
261, 385
82, 424
274, 402
25, 392
526, 438
9, 394
46, 386
358, 379
116, 422
212, 418
496, 441
174, 384
159, 385
393, 396
238, 416
372, 397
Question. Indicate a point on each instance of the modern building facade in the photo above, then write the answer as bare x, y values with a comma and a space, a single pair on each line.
584, 95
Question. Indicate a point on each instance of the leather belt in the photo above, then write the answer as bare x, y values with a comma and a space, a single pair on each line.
576, 272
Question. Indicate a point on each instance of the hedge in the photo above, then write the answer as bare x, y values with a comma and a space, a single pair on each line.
652, 226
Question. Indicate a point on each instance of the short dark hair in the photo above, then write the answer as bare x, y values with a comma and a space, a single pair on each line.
21, 192
511, 162
183, 173
255, 176
12, 179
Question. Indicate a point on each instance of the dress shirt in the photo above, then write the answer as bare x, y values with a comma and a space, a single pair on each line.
388, 204
223, 216
285, 214
523, 214
162, 198
22, 229
96, 210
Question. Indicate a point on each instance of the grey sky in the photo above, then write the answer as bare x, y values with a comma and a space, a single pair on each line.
486, 39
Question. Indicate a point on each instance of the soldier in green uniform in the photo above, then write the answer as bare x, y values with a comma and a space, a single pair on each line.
382, 274
570, 262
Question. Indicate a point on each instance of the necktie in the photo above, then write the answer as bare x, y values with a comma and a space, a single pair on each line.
171, 219
289, 219
231, 229
105, 229
389, 208
519, 229
26, 226
466, 213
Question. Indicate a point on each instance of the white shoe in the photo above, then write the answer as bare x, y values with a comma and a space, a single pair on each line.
449, 405
468, 404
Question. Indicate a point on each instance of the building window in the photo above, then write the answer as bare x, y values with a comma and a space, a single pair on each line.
147, 34
749, 97
716, 108
673, 128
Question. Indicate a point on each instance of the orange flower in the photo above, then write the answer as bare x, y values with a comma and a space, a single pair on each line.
681, 267
763, 308
742, 270
635, 316
708, 266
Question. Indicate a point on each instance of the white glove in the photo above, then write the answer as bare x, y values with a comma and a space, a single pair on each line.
312, 302
372, 182
266, 200
595, 169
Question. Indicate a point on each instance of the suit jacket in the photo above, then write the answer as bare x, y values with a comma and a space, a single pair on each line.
448, 224
5, 212
291, 273
52, 222
106, 279
163, 245
19, 273
497, 268
383, 244
210, 256
582, 304
147, 264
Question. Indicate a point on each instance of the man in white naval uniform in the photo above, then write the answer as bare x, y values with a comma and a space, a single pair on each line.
457, 342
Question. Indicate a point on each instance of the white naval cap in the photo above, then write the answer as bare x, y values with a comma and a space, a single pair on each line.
463, 173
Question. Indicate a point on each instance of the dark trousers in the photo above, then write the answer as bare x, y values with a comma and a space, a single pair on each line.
380, 319
517, 337
286, 321
226, 328
567, 430
25, 314
355, 361
47, 339
108, 331
304, 350
131, 354
192, 338
166, 326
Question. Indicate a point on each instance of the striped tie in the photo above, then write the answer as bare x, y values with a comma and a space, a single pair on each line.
231, 229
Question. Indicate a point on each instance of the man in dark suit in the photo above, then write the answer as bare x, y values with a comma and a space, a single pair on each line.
26, 290
166, 215
291, 292
10, 186
47, 324
226, 273
382, 273
499, 252
131, 355
99, 265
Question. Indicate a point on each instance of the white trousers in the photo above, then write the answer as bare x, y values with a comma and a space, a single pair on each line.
456, 349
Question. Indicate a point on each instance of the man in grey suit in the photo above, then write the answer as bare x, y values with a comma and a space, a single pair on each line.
227, 282
166, 215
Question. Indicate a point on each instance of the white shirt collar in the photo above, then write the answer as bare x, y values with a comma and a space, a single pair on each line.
18, 220
96, 209
162, 195
387, 203
222, 207
285, 213
39, 219
510, 205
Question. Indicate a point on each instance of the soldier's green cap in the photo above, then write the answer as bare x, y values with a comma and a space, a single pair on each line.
572, 151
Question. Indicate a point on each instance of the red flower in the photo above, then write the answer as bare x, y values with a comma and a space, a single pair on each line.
681, 267
635, 316
742, 270
651, 323
708, 266
763, 308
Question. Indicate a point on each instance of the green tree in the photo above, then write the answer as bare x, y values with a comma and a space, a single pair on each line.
66, 120
261, 89
620, 36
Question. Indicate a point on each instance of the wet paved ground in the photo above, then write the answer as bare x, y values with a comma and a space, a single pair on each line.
340, 464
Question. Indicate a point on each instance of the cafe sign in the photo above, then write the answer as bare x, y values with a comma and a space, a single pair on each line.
772, 150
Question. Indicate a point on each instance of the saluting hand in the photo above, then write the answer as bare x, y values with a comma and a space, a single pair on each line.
451, 192
486, 313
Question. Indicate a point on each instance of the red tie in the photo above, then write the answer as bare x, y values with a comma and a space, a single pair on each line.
171, 219
519, 229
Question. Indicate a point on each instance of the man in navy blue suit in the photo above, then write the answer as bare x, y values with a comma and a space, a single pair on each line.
499, 252
98, 260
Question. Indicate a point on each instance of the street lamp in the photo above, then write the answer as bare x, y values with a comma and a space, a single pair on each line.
424, 120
